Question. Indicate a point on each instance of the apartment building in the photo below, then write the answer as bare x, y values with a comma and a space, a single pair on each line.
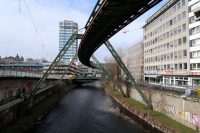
194, 32
134, 60
166, 45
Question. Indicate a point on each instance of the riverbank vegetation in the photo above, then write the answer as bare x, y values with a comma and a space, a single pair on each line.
140, 108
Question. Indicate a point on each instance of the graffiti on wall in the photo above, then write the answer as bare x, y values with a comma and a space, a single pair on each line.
191, 118
162, 105
196, 120
171, 110
174, 111
166, 108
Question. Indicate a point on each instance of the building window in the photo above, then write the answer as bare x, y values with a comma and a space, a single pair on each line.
180, 54
183, 15
195, 6
194, 66
198, 65
183, 27
192, 31
178, 5
171, 55
180, 66
184, 52
171, 33
183, 2
176, 66
179, 17
184, 65
195, 42
179, 29
168, 66
179, 41
192, 19
175, 55
167, 45
184, 40
197, 29
175, 43
174, 8
175, 31
164, 67
198, 54
170, 22
194, 54
174, 20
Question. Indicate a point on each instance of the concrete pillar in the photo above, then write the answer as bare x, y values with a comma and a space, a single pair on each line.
190, 81
174, 79
163, 80
170, 82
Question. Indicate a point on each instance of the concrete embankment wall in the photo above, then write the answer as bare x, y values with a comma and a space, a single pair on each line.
21, 107
183, 110
11, 88
139, 118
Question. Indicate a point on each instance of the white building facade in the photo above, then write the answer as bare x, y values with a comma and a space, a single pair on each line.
194, 32
133, 58
166, 45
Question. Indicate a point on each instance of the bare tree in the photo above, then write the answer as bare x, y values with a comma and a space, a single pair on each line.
114, 68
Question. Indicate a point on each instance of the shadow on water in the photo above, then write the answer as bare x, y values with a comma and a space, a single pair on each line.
87, 109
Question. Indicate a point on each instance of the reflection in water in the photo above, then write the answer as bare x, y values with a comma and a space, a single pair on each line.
86, 110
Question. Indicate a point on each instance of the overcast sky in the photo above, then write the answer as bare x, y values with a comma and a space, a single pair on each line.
19, 35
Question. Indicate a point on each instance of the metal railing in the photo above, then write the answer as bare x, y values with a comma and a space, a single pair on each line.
29, 74
18, 73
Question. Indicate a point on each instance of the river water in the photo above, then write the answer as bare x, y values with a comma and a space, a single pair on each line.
87, 110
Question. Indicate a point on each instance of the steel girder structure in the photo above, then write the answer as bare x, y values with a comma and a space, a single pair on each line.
108, 73
54, 63
67, 68
128, 74
107, 18
101, 67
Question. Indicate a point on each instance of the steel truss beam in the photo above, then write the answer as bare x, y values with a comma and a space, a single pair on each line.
67, 68
128, 74
107, 18
100, 66
54, 63
107, 72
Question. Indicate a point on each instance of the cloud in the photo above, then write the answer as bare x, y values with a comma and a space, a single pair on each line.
18, 35
122, 41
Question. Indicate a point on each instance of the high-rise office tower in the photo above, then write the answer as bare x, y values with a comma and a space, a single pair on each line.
66, 29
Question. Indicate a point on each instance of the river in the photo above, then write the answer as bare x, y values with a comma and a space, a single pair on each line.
87, 109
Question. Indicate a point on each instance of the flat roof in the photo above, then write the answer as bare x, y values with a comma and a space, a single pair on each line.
163, 9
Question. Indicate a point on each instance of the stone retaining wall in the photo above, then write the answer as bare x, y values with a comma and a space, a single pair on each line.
183, 110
